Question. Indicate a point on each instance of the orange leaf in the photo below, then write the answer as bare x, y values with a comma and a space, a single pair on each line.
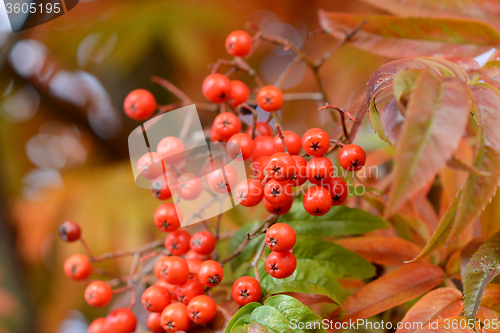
391, 251
439, 303
397, 287
490, 308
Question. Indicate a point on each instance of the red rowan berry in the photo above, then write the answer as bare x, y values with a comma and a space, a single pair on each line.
188, 290
246, 290
319, 170
338, 190
210, 273
239, 93
139, 104
159, 186
98, 326
173, 270
227, 124
217, 179
278, 210
270, 98
262, 129
202, 309
69, 231
217, 88
249, 192
150, 166
171, 150
193, 255
166, 217
292, 141
281, 264
300, 176
98, 294
77, 267
238, 43
281, 167
155, 298
317, 201
240, 146
280, 237
174, 318
188, 186
352, 157
202, 242
278, 193
121, 320
194, 265
154, 322
177, 242
264, 146
315, 142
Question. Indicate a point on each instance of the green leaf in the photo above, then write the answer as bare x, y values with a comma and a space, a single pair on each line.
481, 269
296, 312
385, 101
343, 263
272, 318
403, 84
308, 278
492, 69
436, 117
250, 249
400, 37
340, 220
242, 316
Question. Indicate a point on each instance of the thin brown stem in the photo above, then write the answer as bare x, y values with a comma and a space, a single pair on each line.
172, 88
280, 133
119, 254
87, 249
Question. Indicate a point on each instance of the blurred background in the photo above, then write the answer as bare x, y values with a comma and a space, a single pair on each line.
63, 133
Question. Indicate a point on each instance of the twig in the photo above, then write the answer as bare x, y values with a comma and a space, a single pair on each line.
253, 263
119, 254
217, 225
203, 106
343, 113
87, 249
280, 133
237, 64
172, 88
254, 116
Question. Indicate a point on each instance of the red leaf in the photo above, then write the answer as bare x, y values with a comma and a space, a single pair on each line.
397, 37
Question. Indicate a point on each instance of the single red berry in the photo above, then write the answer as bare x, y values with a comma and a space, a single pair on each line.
202, 242
281, 167
264, 146
278, 193
227, 124
172, 288
246, 290
338, 190
98, 326
238, 43
194, 265
315, 142
154, 322
278, 210
139, 104
155, 298
210, 273
280, 237
258, 167
292, 141
167, 218
171, 150
159, 186
317, 201
300, 176
174, 318
320, 170
193, 255
69, 231
249, 192
217, 88
173, 270
202, 309
352, 157
188, 186
281, 264
262, 129
239, 93
77, 267
270, 98
150, 166
177, 242
188, 290
98, 294
121, 320
217, 179
215, 137
240, 146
